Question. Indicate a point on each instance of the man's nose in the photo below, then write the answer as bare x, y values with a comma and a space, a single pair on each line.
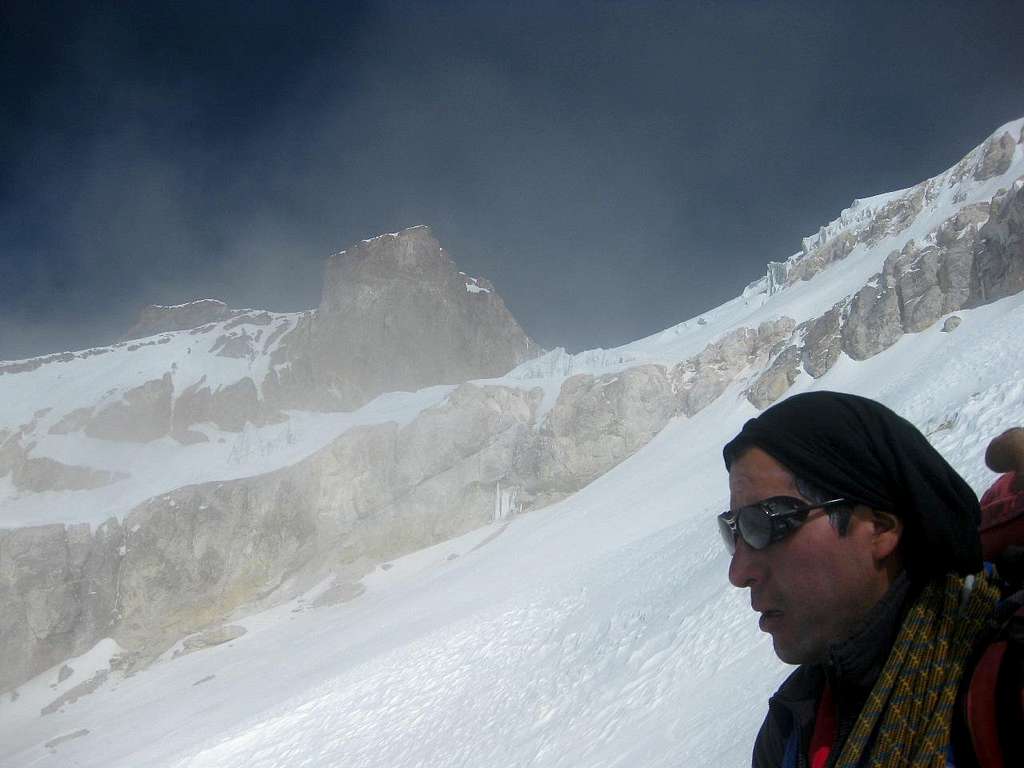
745, 569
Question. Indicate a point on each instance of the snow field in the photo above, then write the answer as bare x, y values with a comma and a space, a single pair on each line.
600, 631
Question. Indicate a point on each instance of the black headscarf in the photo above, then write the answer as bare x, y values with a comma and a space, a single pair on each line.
857, 448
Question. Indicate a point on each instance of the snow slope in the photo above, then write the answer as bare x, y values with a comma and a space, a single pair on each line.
600, 631
160, 466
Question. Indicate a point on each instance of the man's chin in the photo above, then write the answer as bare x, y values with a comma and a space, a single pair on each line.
793, 652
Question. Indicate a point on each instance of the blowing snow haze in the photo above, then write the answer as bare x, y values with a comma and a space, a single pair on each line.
612, 168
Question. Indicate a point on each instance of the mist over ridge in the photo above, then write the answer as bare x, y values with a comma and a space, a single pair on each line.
612, 169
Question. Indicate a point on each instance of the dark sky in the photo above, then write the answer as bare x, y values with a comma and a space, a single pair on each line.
613, 167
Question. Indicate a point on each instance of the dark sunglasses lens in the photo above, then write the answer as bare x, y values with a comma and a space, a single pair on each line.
755, 526
727, 535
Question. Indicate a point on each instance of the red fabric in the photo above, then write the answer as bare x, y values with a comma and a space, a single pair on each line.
1002, 516
982, 714
824, 735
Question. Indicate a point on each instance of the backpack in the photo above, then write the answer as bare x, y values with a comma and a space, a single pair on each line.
992, 702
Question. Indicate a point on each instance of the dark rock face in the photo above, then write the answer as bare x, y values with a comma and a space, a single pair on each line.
895, 216
954, 227
996, 157
230, 408
40, 474
916, 275
776, 379
183, 560
190, 556
240, 345
160, 319
57, 588
72, 422
143, 414
702, 378
819, 257
192, 406
999, 262
597, 422
822, 342
933, 280
873, 322
234, 405
44, 474
211, 638
12, 453
396, 315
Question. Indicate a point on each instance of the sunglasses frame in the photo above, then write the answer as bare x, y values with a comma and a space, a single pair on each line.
781, 522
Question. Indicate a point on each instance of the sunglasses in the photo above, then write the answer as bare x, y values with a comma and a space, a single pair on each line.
767, 521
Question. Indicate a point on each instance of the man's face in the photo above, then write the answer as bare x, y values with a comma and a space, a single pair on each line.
814, 587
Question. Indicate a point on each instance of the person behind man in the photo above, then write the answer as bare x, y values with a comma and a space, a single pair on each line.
1002, 506
854, 537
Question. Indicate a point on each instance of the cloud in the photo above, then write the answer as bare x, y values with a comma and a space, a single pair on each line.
612, 168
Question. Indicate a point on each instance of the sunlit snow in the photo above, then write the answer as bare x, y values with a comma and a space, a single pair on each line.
599, 631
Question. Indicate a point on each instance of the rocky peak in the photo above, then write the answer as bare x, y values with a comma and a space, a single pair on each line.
410, 255
410, 260
397, 314
157, 318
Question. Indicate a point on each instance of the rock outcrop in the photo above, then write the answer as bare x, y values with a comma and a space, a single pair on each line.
823, 341
776, 379
873, 322
702, 378
999, 262
996, 157
183, 560
395, 314
44, 474
139, 415
597, 422
895, 216
58, 587
157, 318
951, 324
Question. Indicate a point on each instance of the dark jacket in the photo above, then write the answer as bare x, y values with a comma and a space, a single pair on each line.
852, 667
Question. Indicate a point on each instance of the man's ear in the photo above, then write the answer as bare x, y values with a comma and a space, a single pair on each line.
887, 530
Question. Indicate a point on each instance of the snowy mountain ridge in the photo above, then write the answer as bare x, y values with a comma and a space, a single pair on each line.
865, 233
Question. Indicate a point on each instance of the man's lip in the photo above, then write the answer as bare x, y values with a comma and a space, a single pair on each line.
768, 620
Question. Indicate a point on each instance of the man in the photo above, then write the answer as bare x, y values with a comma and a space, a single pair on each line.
853, 534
